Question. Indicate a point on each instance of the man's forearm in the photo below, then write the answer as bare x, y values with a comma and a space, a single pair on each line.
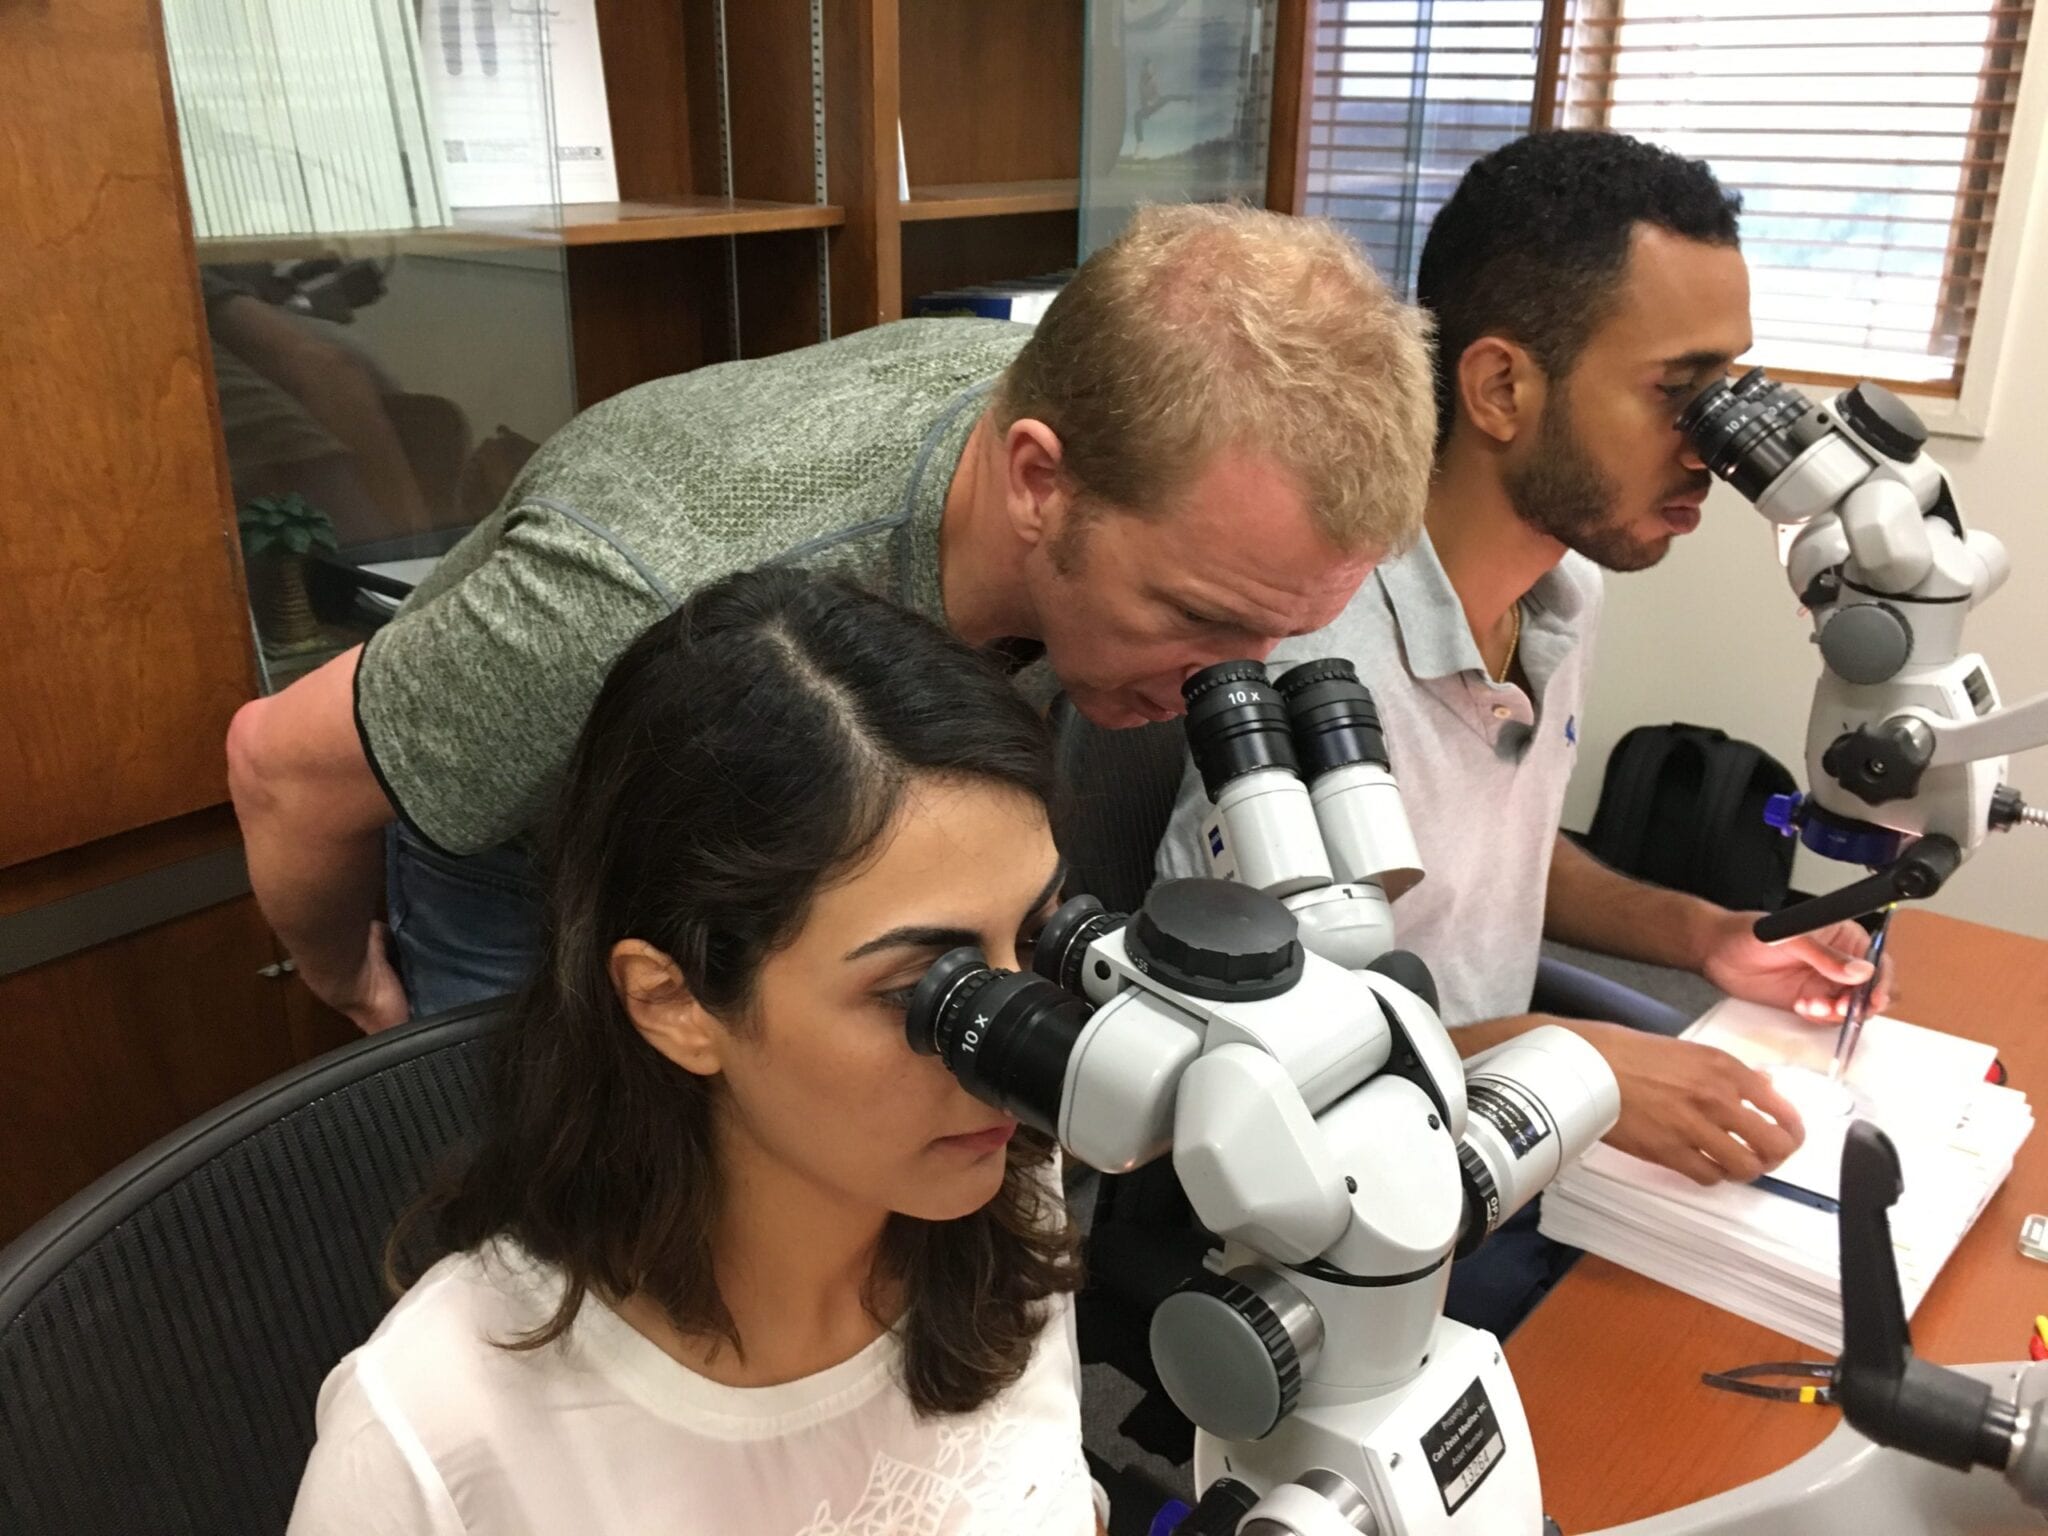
319, 894
1591, 906
313, 816
1471, 1039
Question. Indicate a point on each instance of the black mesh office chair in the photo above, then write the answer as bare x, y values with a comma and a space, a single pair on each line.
163, 1336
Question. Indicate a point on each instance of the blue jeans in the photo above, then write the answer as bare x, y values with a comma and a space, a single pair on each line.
1507, 1275
465, 930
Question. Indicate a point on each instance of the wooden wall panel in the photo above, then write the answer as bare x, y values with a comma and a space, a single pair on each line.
768, 75
124, 640
103, 1051
778, 292
991, 90
62, 875
774, 138
311, 1028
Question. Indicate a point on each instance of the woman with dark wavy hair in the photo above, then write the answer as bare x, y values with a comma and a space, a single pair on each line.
732, 1258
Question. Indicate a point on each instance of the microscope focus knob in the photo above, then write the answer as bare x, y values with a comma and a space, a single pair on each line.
1231, 1350
1216, 939
1866, 643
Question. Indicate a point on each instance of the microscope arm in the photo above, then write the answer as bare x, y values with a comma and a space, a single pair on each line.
2016, 728
1889, 1394
1918, 872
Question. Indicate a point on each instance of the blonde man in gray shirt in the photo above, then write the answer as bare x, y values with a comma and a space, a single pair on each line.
1219, 426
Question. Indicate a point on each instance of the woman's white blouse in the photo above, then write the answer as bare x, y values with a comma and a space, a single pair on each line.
430, 1429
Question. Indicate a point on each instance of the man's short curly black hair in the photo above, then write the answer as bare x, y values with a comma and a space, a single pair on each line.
1534, 241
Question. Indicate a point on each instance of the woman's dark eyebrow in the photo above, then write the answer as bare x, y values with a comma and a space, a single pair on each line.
914, 936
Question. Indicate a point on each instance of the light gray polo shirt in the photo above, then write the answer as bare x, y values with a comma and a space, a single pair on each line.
1482, 766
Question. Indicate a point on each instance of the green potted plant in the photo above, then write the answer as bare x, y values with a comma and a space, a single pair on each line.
279, 536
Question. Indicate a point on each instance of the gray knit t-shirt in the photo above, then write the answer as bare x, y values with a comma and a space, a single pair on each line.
837, 457
1482, 766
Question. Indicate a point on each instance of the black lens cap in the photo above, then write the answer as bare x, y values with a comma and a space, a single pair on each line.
1884, 421
1216, 939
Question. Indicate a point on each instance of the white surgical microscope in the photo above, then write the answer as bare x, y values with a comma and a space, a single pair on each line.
1319, 1119
1906, 751
1906, 746
1262, 1029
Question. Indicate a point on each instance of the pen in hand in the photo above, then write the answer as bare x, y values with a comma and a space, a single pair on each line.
1859, 1003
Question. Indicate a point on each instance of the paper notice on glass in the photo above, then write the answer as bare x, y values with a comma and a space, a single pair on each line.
518, 97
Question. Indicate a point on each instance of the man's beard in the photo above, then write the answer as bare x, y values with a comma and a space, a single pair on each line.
1560, 491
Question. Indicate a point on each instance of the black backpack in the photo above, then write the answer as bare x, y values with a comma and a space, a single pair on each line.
1683, 806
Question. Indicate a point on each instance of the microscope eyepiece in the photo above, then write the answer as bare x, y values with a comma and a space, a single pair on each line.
1006, 1035
1063, 944
1236, 723
1333, 715
1749, 432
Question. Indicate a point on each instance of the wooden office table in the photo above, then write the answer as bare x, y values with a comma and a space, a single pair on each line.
1609, 1364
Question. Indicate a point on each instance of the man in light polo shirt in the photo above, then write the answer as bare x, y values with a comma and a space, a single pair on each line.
1585, 286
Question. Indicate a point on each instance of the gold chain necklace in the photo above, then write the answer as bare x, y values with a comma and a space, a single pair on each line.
1514, 644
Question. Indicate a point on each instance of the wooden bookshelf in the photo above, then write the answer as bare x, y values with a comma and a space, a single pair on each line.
990, 102
991, 199
544, 226
684, 218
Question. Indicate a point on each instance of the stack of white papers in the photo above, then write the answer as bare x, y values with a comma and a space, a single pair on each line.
1771, 1255
302, 116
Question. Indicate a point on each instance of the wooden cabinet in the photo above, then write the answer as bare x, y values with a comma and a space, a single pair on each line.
124, 643
139, 987
105, 1050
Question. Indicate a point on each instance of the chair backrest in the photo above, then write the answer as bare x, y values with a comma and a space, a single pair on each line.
1117, 789
164, 1335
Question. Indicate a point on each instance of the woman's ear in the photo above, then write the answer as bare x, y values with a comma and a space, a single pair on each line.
651, 989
